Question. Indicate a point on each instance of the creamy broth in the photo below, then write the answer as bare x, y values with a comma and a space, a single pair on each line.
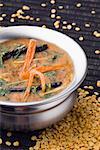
54, 65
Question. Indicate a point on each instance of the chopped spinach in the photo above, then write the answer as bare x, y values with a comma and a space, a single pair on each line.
50, 74
3, 92
1, 61
2, 82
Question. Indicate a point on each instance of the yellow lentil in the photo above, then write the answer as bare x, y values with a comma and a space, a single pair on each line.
53, 15
77, 29
79, 130
1, 18
58, 17
93, 12
81, 38
60, 7
97, 51
37, 19
33, 138
1, 5
4, 15
53, 11
43, 5
26, 7
16, 143
69, 26
52, 1
12, 20
9, 134
8, 143
78, 5
87, 25
73, 24
98, 83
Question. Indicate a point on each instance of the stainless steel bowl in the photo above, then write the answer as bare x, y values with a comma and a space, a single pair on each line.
38, 115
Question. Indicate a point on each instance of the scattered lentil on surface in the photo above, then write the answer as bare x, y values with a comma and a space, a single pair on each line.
8, 143
1, 18
81, 38
37, 19
53, 15
60, 7
52, 1
53, 10
16, 143
0, 141
93, 12
73, 24
87, 25
9, 134
1, 5
97, 51
69, 26
78, 5
43, 5
98, 83
26, 7
77, 29
96, 34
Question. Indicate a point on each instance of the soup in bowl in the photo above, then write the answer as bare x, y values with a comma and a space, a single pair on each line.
40, 70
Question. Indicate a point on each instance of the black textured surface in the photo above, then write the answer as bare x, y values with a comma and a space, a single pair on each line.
71, 14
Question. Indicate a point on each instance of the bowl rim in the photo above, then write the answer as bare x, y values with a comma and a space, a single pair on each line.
57, 96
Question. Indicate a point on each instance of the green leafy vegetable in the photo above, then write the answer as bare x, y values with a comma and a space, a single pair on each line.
50, 74
1, 61
3, 92
2, 82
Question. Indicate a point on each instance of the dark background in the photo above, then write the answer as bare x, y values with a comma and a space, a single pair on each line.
70, 13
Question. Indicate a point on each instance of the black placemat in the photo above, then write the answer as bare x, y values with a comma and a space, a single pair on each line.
77, 13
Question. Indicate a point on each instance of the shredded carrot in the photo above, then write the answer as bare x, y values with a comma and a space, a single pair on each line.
32, 74
50, 68
29, 57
